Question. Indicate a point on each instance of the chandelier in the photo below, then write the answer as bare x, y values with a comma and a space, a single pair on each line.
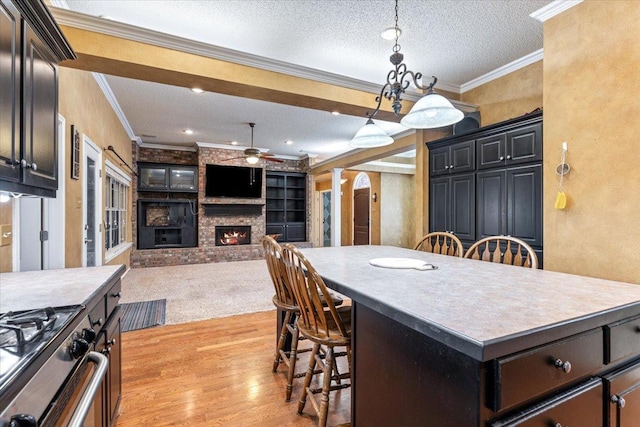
430, 111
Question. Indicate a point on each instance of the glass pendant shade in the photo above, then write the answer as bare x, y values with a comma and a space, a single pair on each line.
370, 135
432, 111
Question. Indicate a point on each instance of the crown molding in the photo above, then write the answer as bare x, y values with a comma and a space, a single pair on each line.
552, 9
167, 147
390, 164
130, 32
503, 71
111, 98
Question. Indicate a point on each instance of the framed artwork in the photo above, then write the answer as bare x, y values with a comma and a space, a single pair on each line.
75, 152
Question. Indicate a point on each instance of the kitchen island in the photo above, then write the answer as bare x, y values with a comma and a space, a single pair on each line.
473, 343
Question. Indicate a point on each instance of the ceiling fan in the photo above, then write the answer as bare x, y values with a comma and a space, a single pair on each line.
253, 155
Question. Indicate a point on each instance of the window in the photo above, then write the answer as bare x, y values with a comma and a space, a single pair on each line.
117, 186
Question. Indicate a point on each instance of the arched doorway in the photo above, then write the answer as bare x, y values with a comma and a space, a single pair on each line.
361, 209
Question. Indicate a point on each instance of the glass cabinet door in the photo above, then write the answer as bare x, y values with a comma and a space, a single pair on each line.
153, 177
183, 178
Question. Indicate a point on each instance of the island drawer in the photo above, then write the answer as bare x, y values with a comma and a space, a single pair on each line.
622, 340
623, 396
112, 297
531, 373
582, 406
101, 311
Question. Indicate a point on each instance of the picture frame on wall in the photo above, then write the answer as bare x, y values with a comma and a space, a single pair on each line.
75, 152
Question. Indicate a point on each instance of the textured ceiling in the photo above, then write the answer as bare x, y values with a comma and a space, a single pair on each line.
457, 41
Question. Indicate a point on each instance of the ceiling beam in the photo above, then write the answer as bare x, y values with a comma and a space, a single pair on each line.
122, 57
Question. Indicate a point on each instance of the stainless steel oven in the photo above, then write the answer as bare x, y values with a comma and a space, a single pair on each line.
49, 377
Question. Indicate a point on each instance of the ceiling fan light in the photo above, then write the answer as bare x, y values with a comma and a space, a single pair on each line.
252, 160
370, 135
432, 111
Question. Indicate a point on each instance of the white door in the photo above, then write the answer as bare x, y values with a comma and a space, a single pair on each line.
92, 205
40, 222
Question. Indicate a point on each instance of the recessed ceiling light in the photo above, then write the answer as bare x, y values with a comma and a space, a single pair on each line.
188, 131
288, 142
335, 113
197, 90
390, 33
234, 142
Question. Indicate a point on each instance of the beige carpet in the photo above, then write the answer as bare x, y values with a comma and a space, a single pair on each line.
202, 291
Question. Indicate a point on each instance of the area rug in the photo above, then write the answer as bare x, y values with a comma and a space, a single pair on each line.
144, 314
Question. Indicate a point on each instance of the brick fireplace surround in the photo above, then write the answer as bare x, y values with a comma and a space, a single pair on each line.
207, 251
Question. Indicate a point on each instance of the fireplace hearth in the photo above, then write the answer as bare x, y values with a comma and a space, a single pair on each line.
233, 235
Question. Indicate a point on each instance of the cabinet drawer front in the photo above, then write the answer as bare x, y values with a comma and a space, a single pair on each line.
623, 340
624, 396
98, 315
113, 297
579, 407
530, 374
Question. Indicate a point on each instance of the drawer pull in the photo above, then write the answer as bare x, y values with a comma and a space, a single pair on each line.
557, 425
619, 401
565, 366
117, 295
97, 322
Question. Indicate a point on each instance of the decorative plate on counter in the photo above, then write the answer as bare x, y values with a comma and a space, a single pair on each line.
402, 263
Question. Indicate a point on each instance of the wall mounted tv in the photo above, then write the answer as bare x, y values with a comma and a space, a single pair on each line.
233, 181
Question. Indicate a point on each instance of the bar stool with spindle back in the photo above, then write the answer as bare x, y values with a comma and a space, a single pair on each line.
503, 250
440, 242
322, 323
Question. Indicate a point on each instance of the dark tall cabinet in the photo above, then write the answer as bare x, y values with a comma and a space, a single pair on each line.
287, 206
31, 45
488, 182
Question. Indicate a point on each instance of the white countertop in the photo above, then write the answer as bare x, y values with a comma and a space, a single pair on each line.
478, 302
52, 288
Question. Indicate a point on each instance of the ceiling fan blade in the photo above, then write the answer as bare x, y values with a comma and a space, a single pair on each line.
232, 158
273, 159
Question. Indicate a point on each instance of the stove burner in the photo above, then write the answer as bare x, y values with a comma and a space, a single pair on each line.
17, 330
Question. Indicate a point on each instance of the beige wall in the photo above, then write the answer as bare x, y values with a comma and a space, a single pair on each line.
510, 96
591, 100
83, 105
6, 255
397, 208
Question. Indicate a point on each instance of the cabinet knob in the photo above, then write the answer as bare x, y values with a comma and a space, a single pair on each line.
97, 322
557, 425
446, 166
111, 342
565, 366
450, 166
508, 157
501, 158
117, 294
618, 400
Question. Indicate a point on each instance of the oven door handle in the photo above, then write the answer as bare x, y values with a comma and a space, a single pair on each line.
89, 394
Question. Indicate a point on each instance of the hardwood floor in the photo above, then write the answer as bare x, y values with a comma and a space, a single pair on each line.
214, 373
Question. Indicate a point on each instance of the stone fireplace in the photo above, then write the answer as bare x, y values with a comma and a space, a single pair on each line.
233, 235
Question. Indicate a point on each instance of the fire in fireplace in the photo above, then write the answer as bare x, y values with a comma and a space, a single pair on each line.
233, 235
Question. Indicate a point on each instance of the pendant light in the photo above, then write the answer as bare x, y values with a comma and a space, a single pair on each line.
430, 111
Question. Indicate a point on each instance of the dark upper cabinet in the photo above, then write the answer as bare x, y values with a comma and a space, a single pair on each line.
31, 45
167, 177
523, 145
452, 205
454, 158
509, 202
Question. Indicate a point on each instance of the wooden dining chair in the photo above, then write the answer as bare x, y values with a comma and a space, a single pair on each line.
503, 250
324, 324
440, 242
284, 300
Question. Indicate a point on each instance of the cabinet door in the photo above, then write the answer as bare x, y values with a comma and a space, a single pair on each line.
295, 232
463, 193
463, 157
492, 151
183, 178
524, 204
624, 397
439, 161
491, 203
525, 145
439, 204
10, 36
40, 110
114, 376
153, 177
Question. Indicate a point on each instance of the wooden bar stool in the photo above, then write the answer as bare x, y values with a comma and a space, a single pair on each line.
324, 324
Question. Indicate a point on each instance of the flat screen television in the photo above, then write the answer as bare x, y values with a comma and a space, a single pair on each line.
233, 181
